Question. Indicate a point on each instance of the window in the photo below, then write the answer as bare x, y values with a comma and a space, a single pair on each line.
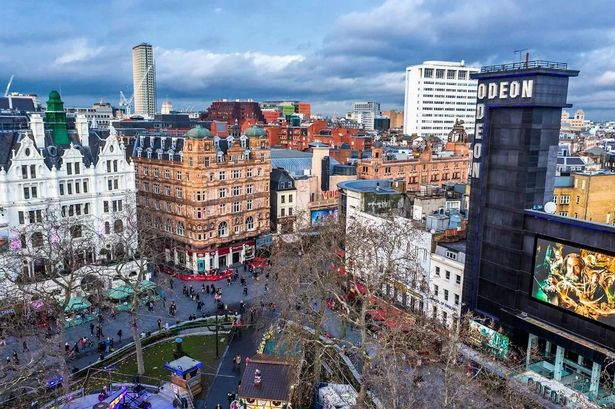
282, 199
462, 75
237, 229
167, 174
447, 274
236, 174
249, 173
578, 198
445, 295
222, 175
282, 212
439, 74
451, 254
24, 171
167, 190
156, 188
458, 279
249, 189
69, 168
222, 229
106, 206
156, 172
249, 204
250, 223
444, 317
178, 175
435, 290
62, 189
77, 187
290, 198
21, 217
118, 226
428, 73
259, 171
85, 186
290, 211
456, 299
437, 271
236, 190
236, 207
78, 169
222, 192
107, 228
179, 229
450, 74
178, 192
37, 239
109, 167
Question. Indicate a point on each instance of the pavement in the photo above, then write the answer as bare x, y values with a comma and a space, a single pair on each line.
147, 321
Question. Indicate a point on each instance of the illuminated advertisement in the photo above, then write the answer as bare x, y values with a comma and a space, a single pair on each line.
481, 335
576, 279
321, 216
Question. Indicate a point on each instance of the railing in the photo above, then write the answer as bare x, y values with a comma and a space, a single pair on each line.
525, 65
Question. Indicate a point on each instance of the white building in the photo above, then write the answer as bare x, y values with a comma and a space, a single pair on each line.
446, 281
99, 115
88, 182
438, 93
365, 113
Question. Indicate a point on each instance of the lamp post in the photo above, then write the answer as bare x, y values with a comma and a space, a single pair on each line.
217, 351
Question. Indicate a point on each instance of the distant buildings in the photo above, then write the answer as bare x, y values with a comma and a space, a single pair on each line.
99, 116
365, 113
396, 117
420, 164
233, 112
207, 196
586, 195
438, 93
574, 123
166, 108
275, 111
446, 281
144, 79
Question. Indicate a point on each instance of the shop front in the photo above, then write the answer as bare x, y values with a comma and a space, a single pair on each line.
565, 377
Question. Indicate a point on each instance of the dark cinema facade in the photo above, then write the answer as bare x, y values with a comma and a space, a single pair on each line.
544, 281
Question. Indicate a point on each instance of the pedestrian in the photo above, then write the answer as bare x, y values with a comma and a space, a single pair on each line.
228, 281
171, 283
8, 360
101, 356
229, 397
207, 289
76, 348
25, 347
242, 281
191, 290
218, 406
245, 290
266, 287
242, 307
66, 347
252, 316
213, 288
159, 322
164, 301
245, 267
203, 288
119, 335
184, 290
91, 328
197, 297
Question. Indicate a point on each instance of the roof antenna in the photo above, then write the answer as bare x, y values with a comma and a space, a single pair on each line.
520, 53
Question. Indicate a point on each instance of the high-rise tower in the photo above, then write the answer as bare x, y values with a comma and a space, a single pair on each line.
144, 79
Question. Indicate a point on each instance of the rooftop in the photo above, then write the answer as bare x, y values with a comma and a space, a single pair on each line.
276, 379
458, 246
525, 65
380, 186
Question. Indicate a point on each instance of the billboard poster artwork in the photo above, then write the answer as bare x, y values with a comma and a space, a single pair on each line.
321, 216
576, 279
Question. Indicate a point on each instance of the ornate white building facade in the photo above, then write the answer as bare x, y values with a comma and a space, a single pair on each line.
88, 184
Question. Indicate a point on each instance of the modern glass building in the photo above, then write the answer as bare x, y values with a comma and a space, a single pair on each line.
543, 281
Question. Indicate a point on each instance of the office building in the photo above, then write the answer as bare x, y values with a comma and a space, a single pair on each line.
586, 195
396, 117
144, 79
365, 113
439, 93
99, 115
538, 280
207, 196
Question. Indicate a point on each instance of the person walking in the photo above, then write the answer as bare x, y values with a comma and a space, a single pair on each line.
245, 290
25, 347
119, 335
229, 397
207, 289
228, 281
159, 322
213, 289
91, 328
218, 406
171, 283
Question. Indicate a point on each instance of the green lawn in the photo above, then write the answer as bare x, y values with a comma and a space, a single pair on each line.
199, 347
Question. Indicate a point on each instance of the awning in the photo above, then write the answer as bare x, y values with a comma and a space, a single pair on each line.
120, 293
77, 304
146, 285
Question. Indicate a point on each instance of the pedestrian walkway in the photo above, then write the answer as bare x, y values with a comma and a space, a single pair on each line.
228, 377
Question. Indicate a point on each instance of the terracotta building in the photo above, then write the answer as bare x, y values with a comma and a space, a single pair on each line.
299, 137
420, 165
588, 196
207, 196
234, 111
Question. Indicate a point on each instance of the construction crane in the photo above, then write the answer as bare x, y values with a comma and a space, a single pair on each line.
126, 103
6, 92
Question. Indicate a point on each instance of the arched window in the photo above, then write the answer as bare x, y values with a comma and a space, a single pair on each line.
180, 229
118, 226
37, 239
250, 223
222, 229
119, 251
107, 228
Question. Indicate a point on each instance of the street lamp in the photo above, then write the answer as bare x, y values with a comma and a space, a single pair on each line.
217, 351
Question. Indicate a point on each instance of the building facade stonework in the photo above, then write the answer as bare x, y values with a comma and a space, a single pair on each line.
207, 196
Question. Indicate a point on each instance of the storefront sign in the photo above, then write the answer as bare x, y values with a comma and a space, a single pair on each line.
545, 391
331, 194
481, 335
506, 90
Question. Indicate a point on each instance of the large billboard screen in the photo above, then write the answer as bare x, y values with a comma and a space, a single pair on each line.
322, 216
577, 279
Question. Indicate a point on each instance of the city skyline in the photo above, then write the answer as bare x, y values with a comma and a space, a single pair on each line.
330, 56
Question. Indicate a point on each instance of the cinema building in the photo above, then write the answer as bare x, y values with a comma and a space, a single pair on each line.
538, 280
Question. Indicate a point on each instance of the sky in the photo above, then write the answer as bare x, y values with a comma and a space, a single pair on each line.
327, 52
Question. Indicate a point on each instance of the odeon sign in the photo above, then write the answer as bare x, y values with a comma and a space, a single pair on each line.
502, 91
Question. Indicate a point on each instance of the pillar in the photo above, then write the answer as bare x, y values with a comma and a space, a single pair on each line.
530, 344
548, 349
559, 363
594, 385
580, 363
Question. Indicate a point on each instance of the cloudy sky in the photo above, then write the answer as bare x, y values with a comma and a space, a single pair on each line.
328, 52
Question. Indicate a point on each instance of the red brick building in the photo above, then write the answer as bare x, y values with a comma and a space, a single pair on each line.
234, 111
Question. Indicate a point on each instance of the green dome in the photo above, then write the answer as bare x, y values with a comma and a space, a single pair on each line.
256, 131
198, 132
54, 95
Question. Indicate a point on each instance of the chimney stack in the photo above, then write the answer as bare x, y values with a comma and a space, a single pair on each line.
38, 130
83, 131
